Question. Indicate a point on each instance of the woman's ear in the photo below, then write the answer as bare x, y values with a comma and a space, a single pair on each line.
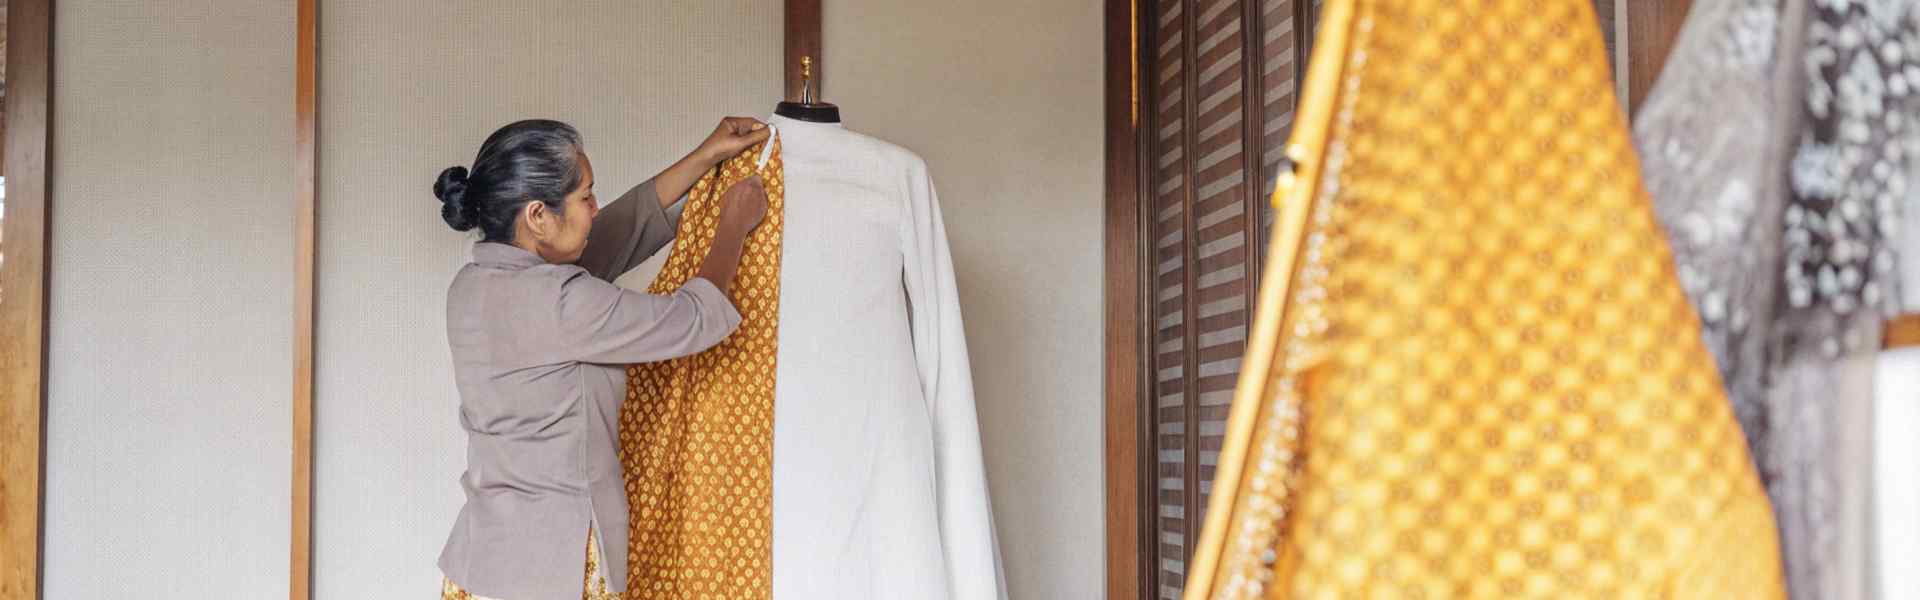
538, 218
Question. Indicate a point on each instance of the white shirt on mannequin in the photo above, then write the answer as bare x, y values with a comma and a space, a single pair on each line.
879, 490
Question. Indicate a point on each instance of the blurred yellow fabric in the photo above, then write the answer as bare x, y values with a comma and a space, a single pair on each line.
1473, 373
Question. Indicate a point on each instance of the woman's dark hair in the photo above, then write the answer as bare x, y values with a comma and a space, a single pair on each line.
535, 159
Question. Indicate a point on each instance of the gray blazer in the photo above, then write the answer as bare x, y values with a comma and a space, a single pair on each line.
539, 355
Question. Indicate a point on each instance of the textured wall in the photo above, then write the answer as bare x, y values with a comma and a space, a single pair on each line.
167, 432
407, 89
172, 288
1003, 98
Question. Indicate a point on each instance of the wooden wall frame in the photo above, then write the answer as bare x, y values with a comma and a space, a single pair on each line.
802, 40
1652, 27
23, 296
1902, 332
1124, 383
305, 203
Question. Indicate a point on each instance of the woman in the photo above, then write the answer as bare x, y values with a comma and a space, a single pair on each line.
540, 340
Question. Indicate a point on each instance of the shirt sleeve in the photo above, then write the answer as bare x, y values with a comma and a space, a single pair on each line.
946, 379
601, 323
630, 229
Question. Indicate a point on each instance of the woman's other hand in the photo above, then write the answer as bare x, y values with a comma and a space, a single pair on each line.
733, 136
743, 206
741, 209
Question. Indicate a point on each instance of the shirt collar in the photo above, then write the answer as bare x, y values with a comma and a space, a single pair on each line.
786, 124
505, 255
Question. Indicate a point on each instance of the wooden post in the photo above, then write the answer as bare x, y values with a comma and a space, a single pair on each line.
803, 39
1125, 438
1902, 332
300, 555
23, 296
1652, 28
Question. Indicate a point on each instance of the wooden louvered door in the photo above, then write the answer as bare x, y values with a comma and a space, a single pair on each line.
1217, 98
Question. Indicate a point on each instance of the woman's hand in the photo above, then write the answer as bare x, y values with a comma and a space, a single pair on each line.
733, 136
743, 206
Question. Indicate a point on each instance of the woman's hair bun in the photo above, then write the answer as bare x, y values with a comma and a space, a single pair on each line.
526, 161
451, 189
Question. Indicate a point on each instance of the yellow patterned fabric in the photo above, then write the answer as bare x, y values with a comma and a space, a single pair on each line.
696, 433
1473, 372
594, 588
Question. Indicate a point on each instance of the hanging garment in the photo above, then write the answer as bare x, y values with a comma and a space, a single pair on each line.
1849, 174
696, 433
880, 489
1896, 452
594, 588
1715, 136
1777, 146
1896, 483
1465, 378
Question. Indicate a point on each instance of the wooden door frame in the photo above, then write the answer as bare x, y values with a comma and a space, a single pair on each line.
1124, 383
1652, 28
802, 40
23, 311
306, 72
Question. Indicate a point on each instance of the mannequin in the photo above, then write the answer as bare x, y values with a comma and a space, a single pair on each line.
879, 489
806, 109
876, 439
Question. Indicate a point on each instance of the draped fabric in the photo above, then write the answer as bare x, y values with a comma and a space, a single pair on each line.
1777, 146
880, 487
593, 588
1715, 137
696, 433
1465, 378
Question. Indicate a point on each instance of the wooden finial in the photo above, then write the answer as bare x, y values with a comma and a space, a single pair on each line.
806, 80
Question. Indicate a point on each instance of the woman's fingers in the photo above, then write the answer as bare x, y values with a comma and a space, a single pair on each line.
733, 136
743, 125
744, 205
758, 135
751, 130
750, 185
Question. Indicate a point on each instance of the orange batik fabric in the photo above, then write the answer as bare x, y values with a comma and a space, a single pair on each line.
696, 433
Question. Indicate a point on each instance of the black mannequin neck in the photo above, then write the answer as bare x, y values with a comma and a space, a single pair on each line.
823, 112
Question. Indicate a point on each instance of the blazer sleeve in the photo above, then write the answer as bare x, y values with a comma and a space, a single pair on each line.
628, 231
601, 323
940, 353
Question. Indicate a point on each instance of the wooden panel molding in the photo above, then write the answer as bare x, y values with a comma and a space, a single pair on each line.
802, 39
24, 272
306, 71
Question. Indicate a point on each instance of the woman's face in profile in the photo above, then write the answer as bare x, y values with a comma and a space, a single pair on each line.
567, 238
